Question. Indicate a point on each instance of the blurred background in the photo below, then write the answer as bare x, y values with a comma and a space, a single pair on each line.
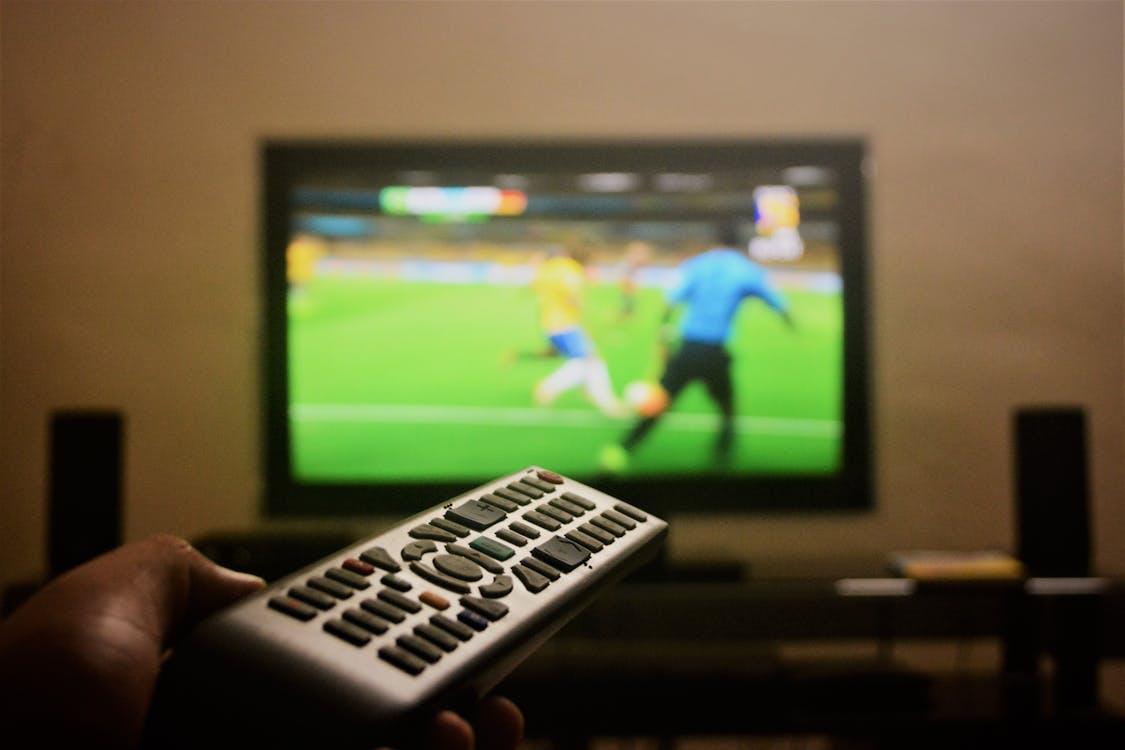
131, 222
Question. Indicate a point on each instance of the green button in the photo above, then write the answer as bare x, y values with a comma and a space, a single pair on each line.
491, 548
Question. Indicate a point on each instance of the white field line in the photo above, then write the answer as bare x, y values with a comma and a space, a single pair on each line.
494, 416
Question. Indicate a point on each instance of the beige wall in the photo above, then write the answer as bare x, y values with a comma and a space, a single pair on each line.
130, 246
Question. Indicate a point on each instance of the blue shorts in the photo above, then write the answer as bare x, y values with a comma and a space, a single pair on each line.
572, 344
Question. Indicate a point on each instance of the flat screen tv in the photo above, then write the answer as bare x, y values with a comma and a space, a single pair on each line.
680, 322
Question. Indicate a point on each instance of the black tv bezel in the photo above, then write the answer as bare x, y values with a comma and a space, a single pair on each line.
286, 162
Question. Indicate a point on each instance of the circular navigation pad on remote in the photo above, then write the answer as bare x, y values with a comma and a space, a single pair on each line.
458, 567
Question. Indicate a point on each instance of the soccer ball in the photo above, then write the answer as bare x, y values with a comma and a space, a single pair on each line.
646, 399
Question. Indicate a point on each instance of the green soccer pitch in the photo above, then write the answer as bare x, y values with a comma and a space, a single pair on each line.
405, 381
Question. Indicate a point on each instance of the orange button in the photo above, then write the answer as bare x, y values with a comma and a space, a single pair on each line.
435, 601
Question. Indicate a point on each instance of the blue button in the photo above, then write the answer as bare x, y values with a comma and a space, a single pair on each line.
474, 621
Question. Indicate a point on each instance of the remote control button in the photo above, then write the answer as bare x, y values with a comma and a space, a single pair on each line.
522, 528
488, 609
579, 500
559, 515
511, 537
473, 620
525, 489
635, 513
400, 601
515, 497
585, 540
491, 548
425, 531
417, 550
601, 535
384, 610
541, 568
293, 608
549, 476
531, 580
380, 558
562, 554
338, 590
485, 562
505, 505
431, 599
542, 521
402, 660
418, 647
500, 587
538, 484
358, 566
315, 598
458, 567
453, 528
396, 583
431, 575
367, 621
354, 580
348, 632
608, 525
439, 638
459, 631
475, 515
567, 506
619, 519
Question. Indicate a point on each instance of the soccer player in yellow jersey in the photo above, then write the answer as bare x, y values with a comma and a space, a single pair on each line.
559, 286
300, 263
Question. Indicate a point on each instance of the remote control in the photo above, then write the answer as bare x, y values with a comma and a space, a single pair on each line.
362, 646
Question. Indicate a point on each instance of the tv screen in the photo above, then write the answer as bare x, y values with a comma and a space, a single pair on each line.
681, 319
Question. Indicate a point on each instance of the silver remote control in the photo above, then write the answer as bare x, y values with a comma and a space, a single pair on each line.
363, 645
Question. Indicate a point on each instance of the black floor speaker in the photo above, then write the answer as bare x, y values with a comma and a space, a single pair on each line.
84, 503
1053, 512
1052, 498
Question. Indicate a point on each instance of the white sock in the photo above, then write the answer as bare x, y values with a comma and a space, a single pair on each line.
570, 375
600, 389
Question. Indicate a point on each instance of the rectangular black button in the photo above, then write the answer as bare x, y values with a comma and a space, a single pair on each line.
440, 638
601, 535
608, 525
402, 660
568, 506
315, 598
559, 515
459, 630
542, 521
490, 609
579, 500
400, 601
417, 646
585, 540
348, 632
522, 528
620, 519
367, 621
338, 590
541, 567
538, 484
475, 515
562, 553
384, 610
507, 494
347, 577
526, 489
511, 537
293, 608
501, 503
635, 513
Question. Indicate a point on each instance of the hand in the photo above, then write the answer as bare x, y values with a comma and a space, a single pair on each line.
79, 661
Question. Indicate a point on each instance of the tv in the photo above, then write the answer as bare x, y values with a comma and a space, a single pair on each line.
681, 322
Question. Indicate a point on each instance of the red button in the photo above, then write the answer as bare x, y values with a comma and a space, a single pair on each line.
549, 476
358, 566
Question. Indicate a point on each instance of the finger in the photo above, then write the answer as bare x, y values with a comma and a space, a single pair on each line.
499, 724
448, 731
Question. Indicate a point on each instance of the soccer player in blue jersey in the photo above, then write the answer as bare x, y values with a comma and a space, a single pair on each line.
713, 287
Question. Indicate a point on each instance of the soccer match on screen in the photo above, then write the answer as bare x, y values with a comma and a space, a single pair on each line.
451, 326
